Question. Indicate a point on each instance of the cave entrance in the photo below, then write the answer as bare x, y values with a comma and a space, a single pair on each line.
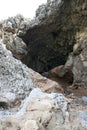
48, 47
46, 50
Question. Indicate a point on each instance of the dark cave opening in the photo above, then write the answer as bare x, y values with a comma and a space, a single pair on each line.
43, 63
48, 47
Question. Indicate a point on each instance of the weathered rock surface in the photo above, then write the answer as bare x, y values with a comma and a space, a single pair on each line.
58, 30
17, 80
14, 76
50, 38
52, 35
42, 111
75, 69
77, 61
38, 110
47, 45
9, 31
45, 84
17, 24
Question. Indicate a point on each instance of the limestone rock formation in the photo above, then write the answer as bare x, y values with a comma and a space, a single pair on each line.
21, 108
52, 35
54, 44
42, 111
9, 31
17, 80
14, 76
17, 24
75, 68
77, 61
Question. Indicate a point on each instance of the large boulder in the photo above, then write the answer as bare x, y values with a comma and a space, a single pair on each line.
42, 111
14, 76
17, 80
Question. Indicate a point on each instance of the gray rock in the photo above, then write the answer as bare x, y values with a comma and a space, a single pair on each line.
17, 24
14, 76
83, 118
15, 45
77, 60
84, 98
44, 11
9, 31
17, 80
43, 111
41, 12
54, 35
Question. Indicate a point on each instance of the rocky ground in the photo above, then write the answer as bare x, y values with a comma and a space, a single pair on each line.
54, 44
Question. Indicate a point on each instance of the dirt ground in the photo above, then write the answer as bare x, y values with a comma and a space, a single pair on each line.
67, 86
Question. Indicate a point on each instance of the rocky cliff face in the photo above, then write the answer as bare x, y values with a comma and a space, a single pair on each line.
53, 33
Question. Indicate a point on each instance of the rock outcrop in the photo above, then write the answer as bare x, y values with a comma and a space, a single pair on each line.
56, 37
75, 69
52, 35
18, 80
14, 76
77, 61
49, 38
42, 111
9, 31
